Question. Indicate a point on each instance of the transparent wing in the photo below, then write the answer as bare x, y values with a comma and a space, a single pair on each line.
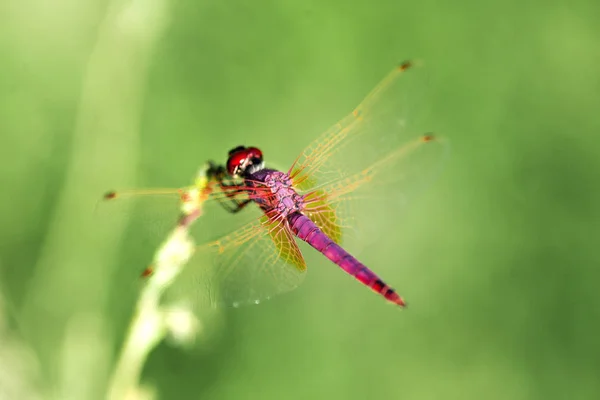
150, 215
257, 261
148, 220
327, 215
376, 158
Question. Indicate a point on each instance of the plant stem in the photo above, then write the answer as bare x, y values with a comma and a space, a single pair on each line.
152, 321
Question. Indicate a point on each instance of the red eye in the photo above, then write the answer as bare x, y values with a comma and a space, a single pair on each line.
254, 152
235, 160
242, 157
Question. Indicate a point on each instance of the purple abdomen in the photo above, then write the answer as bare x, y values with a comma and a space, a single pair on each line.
306, 230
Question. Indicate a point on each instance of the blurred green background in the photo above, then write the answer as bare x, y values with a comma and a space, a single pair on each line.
498, 259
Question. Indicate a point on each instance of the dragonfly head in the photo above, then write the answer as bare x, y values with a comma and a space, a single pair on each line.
244, 160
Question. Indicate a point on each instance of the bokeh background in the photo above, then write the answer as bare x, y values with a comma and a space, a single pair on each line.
499, 259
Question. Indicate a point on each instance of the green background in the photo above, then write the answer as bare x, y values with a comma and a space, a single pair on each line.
499, 259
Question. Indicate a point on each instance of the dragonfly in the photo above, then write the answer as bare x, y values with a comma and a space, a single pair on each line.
365, 164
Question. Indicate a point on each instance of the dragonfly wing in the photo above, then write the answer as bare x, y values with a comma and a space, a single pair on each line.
392, 114
362, 205
147, 221
326, 214
377, 157
257, 261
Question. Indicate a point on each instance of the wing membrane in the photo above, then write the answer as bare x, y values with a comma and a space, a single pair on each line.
257, 261
379, 118
323, 211
364, 167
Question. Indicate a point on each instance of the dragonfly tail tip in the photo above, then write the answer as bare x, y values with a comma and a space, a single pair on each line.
400, 302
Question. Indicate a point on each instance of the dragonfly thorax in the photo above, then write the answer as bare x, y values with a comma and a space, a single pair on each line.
285, 199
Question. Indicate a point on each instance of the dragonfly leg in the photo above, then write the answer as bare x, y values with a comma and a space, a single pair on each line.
232, 204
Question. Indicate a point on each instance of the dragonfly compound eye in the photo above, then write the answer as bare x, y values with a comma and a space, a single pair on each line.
237, 162
255, 154
241, 158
